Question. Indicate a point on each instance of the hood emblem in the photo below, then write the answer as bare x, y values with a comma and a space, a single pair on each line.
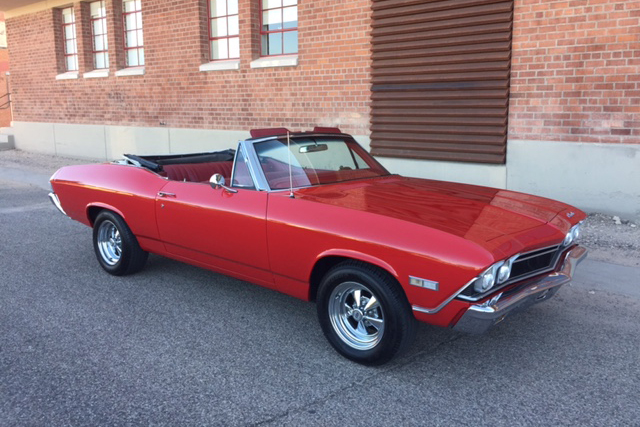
570, 214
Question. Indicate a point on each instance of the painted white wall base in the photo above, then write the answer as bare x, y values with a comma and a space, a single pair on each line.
104, 142
594, 177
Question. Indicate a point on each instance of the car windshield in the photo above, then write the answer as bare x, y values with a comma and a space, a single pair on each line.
314, 161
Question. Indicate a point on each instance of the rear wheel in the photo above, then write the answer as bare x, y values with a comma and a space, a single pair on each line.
116, 247
364, 313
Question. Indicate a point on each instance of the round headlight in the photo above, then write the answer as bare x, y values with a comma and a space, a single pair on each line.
485, 282
568, 238
575, 232
503, 272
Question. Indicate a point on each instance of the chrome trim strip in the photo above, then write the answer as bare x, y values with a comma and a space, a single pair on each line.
56, 202
445, 302
534, 254
259, 180
481, 317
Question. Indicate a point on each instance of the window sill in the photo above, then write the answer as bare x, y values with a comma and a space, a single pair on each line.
133, 71
96, 74
233, 64
67, 76
275, 61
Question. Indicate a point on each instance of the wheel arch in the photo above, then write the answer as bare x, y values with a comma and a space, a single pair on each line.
94, 209
329, 259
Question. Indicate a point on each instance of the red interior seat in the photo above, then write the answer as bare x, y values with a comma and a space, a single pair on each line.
198, 172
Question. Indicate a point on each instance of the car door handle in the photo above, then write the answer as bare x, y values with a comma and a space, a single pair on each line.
164, 194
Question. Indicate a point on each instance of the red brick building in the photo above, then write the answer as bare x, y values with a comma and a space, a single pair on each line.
534, 95
5, 107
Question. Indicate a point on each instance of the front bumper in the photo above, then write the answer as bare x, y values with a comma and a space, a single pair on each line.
56, 202
479, 318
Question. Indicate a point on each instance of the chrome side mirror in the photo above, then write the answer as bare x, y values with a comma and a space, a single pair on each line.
216, 181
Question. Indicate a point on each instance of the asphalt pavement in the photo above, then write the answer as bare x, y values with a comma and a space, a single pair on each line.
176, 345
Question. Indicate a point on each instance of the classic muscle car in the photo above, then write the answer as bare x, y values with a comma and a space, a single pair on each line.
313, 215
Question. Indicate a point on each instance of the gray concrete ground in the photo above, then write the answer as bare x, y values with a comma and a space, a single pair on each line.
177, 345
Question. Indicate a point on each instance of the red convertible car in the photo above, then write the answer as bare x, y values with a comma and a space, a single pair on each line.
313, 215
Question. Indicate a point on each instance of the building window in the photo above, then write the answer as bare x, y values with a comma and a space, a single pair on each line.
99, 34
69, 39
133, 41
279, 27
224, 29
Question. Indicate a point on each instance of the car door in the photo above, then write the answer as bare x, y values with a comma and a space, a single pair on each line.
217, 228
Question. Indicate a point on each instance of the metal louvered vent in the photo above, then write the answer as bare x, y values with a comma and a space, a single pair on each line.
440, 79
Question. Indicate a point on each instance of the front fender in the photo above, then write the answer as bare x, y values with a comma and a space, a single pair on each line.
360, 256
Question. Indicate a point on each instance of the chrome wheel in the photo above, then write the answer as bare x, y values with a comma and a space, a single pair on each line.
109, 242
356, 315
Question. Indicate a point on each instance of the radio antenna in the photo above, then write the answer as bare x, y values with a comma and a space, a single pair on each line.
290, 173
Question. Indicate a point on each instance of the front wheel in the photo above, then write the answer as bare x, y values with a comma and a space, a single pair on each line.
364, 313
116, 247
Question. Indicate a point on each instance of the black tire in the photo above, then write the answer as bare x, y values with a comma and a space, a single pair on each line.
116, 247
373, 333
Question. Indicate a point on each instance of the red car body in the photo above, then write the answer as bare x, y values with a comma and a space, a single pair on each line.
446, 233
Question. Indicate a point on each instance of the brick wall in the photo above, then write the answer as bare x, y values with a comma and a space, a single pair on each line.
5, 113
330, 86
576, 71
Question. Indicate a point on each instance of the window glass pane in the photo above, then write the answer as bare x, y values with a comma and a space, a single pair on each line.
290, 42
129, 5
234, 47
68, 32
290, 17
219, 27
241, 174
71, 47
98, 43
289, 2
67, 15
138, 20
130, 21
268, 4
141, 56
138, 4
219, 49
140, 39
132, 58
233, 7
218, 8
234, 29
95, 9
100, 60
97, 27
132, 39
272, 20
274, 44
264, 43
98, 9
72, 63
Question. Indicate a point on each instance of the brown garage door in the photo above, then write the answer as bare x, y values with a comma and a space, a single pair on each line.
440, 79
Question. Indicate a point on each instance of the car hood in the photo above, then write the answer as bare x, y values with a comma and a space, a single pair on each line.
479, 214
